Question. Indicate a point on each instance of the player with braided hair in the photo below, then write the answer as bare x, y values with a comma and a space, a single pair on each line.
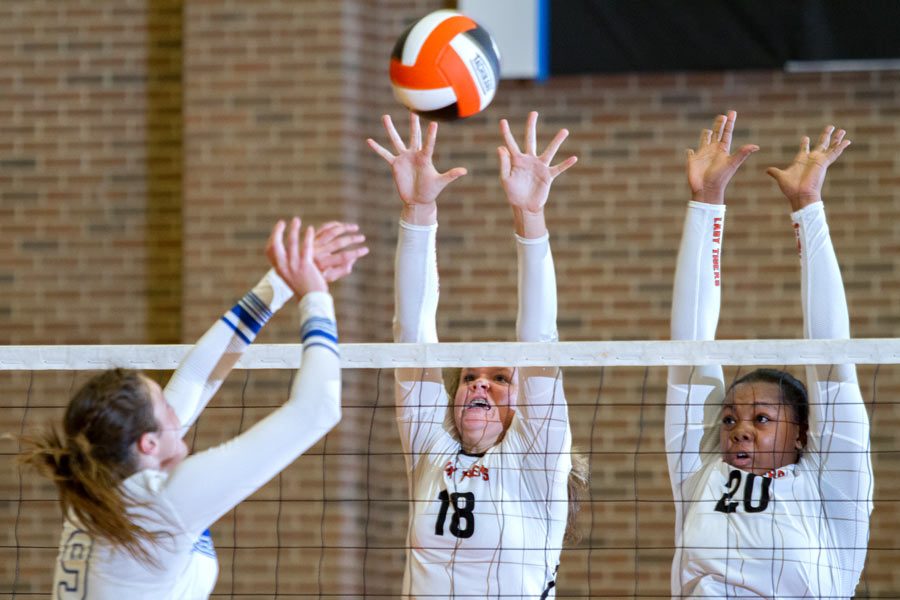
772, 484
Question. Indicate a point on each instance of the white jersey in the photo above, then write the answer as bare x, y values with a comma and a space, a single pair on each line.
801, 531
184, 503
492, 525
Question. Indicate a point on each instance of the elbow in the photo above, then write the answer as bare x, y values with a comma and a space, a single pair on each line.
332, 415
404, 331
324, 419
330, 406
527, 332
318, 404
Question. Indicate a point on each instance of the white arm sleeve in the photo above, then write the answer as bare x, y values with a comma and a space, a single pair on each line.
209, 484
416, 284
838, 440
541, 406
539, 436
203, 370
419, 393
694, 394
536, 320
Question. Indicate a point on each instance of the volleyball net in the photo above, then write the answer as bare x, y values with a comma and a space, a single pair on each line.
333, 524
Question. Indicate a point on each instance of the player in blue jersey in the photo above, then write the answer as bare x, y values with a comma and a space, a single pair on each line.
136, 507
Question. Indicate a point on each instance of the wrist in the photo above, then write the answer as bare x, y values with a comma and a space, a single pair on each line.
529, 224
419, 214
709, 196
302, 292
801, 201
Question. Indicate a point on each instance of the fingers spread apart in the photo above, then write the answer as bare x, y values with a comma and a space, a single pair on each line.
507, 155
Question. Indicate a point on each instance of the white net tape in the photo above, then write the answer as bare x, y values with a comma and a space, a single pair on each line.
514, 354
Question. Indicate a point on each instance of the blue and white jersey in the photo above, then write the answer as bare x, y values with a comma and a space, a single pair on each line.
183, 503
89, 569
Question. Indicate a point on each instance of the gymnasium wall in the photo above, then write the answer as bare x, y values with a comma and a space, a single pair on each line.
146, 147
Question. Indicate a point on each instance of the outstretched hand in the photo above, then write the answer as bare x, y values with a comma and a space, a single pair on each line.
802, 181
418, 181
711, 166
332, 254
527, 176
295, 263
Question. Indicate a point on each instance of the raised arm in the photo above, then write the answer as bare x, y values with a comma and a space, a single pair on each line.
415, 274
825, 314
203, 370
205, 367
695, 393
209, 484
526, 178
420, 395
838, 439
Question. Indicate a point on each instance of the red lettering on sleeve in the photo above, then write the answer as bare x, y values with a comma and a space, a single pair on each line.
717, 230
715, 266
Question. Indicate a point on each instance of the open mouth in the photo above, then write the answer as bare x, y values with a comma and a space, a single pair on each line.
478, 403
741, 459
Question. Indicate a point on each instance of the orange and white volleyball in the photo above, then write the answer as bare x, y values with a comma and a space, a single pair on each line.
445, 66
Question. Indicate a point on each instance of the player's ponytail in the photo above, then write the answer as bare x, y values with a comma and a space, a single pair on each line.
94, 454
578, 484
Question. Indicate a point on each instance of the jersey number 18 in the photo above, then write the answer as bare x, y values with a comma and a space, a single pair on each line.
463, 507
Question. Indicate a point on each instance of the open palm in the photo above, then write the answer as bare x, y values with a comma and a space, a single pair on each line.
802, 180
416, 178
527, 176
711, 166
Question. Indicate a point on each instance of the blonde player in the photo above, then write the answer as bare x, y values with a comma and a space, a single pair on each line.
489, 454
137, 508
781, 508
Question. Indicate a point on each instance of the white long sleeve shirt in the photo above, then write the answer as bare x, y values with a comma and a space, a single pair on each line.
488, 526
185, 502
803, 532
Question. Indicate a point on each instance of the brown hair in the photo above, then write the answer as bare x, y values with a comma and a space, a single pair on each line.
578, 484
579, 476
95, 453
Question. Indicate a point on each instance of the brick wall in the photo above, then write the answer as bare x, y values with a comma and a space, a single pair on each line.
147, 147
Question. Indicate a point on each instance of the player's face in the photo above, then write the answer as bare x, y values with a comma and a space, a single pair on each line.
170, 446
758, 432
483, 405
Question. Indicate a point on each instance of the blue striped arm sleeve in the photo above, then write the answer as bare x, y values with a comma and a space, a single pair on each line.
320, 331
247, 317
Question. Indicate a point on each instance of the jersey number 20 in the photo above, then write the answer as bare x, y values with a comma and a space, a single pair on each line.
727, 505
463, 507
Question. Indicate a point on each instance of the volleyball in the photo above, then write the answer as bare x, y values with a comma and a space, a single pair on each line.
445, 66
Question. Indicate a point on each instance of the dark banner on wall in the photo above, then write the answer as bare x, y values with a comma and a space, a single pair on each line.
596, 36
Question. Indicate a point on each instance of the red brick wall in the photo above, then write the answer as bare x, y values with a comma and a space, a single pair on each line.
147, 147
